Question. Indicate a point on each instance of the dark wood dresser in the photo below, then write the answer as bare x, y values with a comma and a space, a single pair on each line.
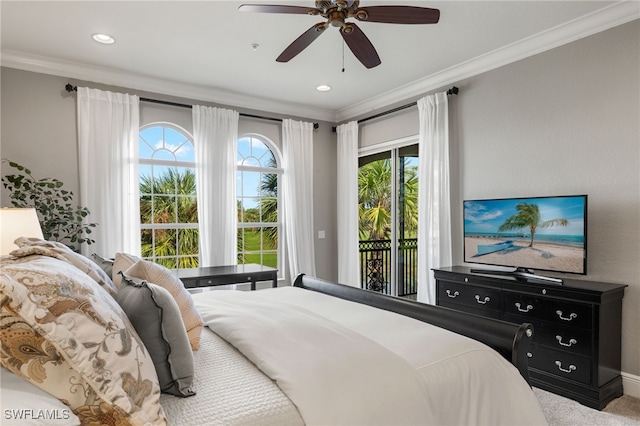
575, 349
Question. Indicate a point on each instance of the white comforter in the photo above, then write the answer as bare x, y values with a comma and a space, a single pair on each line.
345, 363
230, 391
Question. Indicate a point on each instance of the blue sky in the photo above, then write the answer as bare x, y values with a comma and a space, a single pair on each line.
171, 146
251, 152
165, 143
487, 215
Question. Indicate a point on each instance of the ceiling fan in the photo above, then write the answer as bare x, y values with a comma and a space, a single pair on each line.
336, 12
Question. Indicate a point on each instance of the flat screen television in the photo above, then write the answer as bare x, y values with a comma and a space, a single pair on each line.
528, 234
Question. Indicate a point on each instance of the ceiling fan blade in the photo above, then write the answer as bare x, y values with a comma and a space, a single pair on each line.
360, 45
398, 14
302, 42
274, 8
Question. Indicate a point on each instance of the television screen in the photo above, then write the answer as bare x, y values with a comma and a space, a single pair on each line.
539, 233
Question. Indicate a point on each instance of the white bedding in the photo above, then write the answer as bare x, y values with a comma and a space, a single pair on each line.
231, 391
449, 379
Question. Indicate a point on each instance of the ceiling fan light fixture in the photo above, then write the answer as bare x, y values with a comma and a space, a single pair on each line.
336, 12
103, 38
323, 88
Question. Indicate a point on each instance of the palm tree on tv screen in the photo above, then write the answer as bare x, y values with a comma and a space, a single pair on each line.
529, 217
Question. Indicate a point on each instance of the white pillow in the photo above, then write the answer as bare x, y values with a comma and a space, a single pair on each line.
24, 404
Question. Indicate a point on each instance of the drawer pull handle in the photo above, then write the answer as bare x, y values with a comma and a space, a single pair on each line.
571, 316
566, 370
571, 341
484, 301
527, 309
453, 295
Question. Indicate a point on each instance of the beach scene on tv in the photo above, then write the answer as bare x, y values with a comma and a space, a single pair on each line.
537, 233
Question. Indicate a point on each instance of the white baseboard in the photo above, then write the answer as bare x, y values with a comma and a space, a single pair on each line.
631, 384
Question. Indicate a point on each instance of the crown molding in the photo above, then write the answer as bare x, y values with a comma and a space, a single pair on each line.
600, 20
608, 17
114, 77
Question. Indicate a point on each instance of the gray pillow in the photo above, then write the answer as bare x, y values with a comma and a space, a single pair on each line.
105, 264
155, 315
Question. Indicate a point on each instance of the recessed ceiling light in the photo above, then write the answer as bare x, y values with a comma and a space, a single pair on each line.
323, 88
103, 38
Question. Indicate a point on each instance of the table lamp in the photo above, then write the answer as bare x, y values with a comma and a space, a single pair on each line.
16, 223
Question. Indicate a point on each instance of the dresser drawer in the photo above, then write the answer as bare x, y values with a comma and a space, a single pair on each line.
189, 282
547, 309
560, 363
206, 282
574, 340
470, 309
478, 298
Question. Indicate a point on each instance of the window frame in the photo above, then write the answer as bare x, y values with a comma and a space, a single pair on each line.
177, 164
279, 171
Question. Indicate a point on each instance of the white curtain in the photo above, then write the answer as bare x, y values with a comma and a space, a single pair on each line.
297, 144
108, 126
348, 250
215, 134
434, 205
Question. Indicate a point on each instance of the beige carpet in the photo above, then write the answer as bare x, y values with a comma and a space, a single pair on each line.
561, 411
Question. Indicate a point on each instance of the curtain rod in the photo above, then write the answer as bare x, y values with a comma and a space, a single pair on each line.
453, 91
71, 88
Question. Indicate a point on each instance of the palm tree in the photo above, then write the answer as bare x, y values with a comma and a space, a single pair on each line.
529, 216
410, 201
269, 203
265, 212
170, 198
374, 200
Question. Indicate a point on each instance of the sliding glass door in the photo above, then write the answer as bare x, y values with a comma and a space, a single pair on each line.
388, 225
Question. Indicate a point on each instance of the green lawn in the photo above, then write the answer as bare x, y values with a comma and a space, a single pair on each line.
268, 259
252, 244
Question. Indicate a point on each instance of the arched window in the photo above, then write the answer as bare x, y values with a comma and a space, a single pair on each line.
259, 226
168, 203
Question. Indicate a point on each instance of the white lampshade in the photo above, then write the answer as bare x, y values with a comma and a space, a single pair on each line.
16, 223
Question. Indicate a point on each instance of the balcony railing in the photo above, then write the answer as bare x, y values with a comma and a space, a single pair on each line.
375, 266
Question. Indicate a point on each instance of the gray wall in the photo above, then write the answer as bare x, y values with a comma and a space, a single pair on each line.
566, 121
38, 130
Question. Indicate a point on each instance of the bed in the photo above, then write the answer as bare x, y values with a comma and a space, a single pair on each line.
315, 353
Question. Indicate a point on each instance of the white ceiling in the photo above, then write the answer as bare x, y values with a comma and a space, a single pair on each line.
203, 49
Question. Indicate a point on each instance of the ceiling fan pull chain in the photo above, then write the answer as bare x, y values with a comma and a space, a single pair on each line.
343, 42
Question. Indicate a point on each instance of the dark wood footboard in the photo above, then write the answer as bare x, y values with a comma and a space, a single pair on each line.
510, 340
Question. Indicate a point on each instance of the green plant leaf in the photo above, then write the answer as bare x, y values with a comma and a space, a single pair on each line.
58, 219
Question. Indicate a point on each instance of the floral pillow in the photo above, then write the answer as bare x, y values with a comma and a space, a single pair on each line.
61, 251
62, 332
